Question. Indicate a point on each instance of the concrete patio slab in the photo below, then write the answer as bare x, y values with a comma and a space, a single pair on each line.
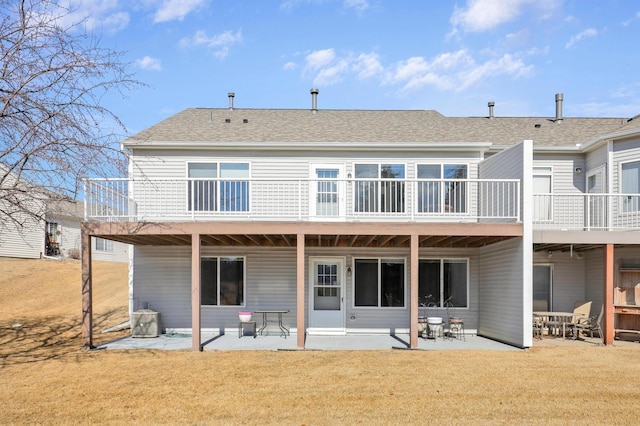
231, 342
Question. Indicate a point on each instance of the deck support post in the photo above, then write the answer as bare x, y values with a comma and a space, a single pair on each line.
607, 327
300, 326
87, 291
413, 293
196, 343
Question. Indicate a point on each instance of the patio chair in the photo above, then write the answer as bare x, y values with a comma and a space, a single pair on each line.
456, 324
591, 325
583, 308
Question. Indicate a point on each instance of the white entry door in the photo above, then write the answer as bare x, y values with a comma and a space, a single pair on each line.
597, 205
326, 295
327, 191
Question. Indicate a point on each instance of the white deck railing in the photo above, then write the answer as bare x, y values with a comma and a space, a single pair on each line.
457, 200
586, 211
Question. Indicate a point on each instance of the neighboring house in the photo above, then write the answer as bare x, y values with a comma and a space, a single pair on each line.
352, 220
52, 228
63, 235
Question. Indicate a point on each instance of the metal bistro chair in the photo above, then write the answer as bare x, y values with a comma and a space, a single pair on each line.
456, 324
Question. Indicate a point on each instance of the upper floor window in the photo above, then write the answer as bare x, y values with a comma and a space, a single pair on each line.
631, 185
379, 188
442, 188
218, 187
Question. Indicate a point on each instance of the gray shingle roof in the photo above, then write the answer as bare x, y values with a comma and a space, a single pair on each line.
371, 126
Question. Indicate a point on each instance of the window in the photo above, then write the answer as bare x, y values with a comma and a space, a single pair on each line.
379, 283
442, 281
218, 187
631, 185
104, 245
222, 281
442, 188
379, 188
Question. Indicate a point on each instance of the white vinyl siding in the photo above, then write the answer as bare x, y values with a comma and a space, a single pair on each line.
168, 165
501, 301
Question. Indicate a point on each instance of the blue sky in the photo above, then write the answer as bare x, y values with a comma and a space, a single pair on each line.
453, 57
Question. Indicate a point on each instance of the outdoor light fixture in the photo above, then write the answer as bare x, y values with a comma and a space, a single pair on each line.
549, 254
578, 170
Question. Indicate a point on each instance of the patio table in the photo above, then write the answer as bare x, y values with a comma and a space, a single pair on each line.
265, 320
561, 317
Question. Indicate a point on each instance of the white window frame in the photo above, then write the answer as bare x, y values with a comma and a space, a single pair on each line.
379, 283
441, 190
378, 180
244, 281
217, 181
624, 209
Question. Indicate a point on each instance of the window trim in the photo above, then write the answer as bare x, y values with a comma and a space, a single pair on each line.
217, 181
379, 283
379, 211
441, 191
244, 281
441, 284
103, 250
624, 208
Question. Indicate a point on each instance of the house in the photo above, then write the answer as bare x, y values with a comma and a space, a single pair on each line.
37, 222
353, 221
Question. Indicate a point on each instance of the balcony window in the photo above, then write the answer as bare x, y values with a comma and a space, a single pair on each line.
222, 281
379, 188
216, 187
631, 185
442, 188
379, 283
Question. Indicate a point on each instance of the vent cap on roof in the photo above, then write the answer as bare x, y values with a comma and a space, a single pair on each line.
314, 99
231, 96
559, 98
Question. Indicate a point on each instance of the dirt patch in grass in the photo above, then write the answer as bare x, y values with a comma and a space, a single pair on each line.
47, 379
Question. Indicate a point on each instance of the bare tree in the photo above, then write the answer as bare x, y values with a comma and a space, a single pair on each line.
54, 127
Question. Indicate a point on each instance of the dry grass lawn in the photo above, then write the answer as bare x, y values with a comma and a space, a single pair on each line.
47, 379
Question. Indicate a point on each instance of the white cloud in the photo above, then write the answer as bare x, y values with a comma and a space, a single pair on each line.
359, 5
590, 32
219, 44
176, 9
104, 15
484, 15
289, 66
149, 63
320, 58
325, 67
455, 71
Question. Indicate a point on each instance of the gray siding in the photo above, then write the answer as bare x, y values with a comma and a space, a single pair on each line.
25, 241
162, 279
501, 298
565, 180
596, 158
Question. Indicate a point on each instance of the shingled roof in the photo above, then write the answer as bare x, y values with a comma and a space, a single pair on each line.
371, 126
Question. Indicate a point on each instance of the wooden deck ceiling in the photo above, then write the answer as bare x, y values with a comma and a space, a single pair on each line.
321, 234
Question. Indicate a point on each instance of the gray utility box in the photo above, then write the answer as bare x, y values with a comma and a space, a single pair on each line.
145, 323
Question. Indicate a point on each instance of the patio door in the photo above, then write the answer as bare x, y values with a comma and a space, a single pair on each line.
326, 295
542, 287
326, 191
597, 204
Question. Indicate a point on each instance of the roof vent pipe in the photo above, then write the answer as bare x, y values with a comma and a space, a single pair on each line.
558, 107
231, 96
491, 104
314, 99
